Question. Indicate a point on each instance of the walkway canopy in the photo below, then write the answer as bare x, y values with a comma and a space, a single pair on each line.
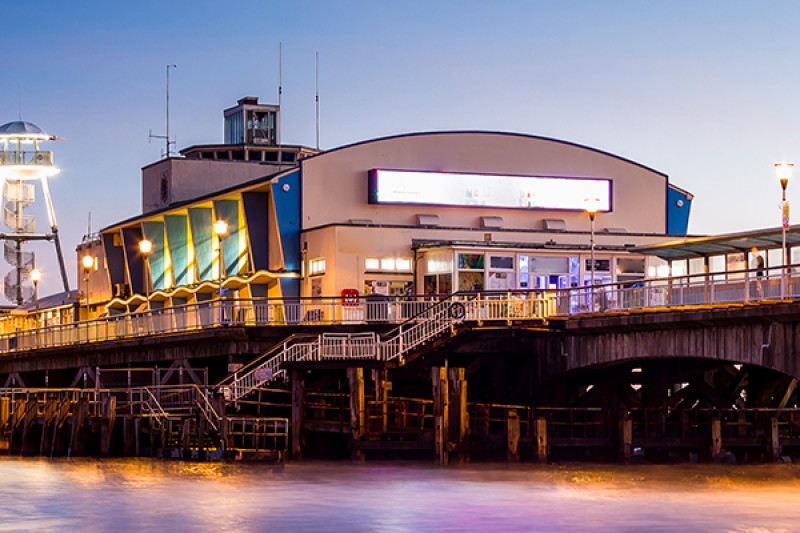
729, 243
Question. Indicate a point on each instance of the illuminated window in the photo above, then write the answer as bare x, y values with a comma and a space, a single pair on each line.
403, 264
316, 266
387, 263
372, 263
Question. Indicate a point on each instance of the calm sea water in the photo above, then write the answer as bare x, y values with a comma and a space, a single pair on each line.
157, 495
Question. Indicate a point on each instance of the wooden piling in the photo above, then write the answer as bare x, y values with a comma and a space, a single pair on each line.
5, 414
358, 413
298, 408
774, 439
107, 420
440, 413
512, 435
716, 438
626, 437
383, 386
459, 416
541, 439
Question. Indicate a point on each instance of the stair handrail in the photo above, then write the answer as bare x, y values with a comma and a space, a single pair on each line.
261, 358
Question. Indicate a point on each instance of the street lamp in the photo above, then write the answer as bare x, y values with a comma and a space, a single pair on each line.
784, 172
220, 230
88, 263
36, 275
592, 206
145, 247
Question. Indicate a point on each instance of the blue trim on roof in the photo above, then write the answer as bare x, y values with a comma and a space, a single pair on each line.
288, 212
679, 205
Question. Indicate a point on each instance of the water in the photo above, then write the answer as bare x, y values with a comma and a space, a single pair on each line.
157, 495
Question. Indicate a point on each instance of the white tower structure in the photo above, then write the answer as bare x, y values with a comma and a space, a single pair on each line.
22, 164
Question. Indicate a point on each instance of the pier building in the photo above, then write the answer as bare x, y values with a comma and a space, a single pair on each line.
432, 212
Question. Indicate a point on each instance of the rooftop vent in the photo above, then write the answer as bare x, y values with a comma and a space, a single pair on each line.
427, 220
491, 222
554, 224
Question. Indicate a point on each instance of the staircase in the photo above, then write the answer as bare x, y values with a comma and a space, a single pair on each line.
432, 323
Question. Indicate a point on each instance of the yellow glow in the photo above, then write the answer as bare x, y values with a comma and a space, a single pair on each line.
36, 275
145, 246
220, 228
87, 262
784, 171
592, 205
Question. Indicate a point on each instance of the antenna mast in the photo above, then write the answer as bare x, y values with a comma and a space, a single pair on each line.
280, 88
168, 142
317, 98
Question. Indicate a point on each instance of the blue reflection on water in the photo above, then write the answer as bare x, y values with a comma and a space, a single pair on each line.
143, 494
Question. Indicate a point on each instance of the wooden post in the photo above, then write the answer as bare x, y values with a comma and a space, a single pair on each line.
440, 413
774, 439
512, 435
107, 420
5, 414
137, 431
357, 409
626, 436
716, 438
382, 388
459, 416
541, 439
298, 409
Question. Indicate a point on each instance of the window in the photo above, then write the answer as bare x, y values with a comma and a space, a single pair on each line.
316, 266
387, 264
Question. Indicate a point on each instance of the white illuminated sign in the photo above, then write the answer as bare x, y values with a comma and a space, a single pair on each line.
488, 190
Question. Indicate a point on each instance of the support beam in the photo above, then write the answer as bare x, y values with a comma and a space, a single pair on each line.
716, 438
440, 413
541, 439
357, 409
512, 436
298, 410
459, 417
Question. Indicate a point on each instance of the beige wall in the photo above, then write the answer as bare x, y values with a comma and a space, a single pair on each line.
335, 183
193, 178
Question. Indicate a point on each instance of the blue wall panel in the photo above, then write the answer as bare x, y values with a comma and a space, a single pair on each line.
200, 225
130, 240
178, 247
287, 209
679, 205
154, 232
228, 210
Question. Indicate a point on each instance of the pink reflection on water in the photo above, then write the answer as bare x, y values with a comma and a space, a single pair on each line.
133, 495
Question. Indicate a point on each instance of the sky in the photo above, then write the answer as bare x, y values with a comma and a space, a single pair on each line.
707, 92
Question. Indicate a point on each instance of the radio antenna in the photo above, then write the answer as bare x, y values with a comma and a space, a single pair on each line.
168, 142
280, 88
317, 97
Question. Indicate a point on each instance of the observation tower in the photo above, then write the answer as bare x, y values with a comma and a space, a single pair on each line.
22, 165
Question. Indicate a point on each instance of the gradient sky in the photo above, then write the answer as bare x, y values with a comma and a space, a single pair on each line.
706, 92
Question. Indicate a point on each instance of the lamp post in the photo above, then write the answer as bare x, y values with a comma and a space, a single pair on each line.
36, 275
145, 247
220, 230
784, 172
592, 205
88, 263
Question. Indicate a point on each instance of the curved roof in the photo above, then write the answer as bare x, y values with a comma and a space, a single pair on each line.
485, 132
20, 128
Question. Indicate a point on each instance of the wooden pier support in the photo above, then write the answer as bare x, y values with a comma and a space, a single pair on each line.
512, 435
383, 386
541, 439
774, 439
459, 416
441, 416
626, 436
5, 414
107, 420
357, 409
716, 438
298, 410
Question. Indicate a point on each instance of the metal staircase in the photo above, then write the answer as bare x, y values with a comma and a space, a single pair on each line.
433, 322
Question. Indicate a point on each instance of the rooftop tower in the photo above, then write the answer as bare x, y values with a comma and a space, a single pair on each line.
22, 164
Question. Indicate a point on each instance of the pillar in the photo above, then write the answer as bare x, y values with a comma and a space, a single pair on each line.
512, 435
626, 436
440, 413
541, 439
459, 416
774, 439
716, 438
298, 410
358, 413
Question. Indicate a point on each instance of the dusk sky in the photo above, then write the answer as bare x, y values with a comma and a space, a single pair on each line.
706, 92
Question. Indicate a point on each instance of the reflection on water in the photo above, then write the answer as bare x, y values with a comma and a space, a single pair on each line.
142, 495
